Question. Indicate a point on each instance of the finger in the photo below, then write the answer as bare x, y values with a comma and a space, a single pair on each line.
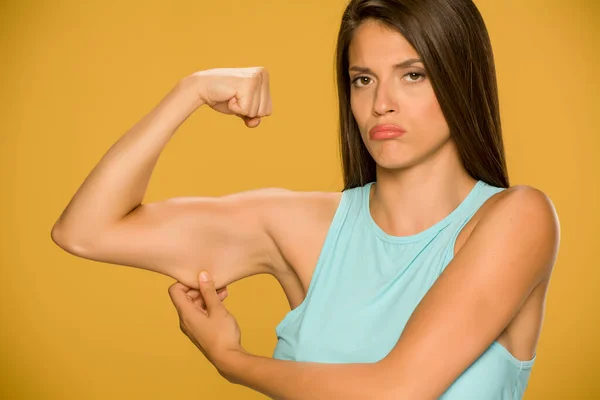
256, 98
196, 296
221, 290
207, 287
261, 97
234, 105
244, 101
178, 294
264, 96
223, 294
199, 302
178, 287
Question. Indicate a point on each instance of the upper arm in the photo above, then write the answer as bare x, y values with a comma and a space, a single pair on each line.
511, 250
181, 236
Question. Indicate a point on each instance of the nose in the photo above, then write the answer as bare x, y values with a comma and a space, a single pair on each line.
385, 100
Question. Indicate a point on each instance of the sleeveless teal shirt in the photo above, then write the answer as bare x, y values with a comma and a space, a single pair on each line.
367, 283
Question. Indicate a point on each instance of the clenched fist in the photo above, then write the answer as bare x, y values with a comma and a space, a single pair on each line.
243, 92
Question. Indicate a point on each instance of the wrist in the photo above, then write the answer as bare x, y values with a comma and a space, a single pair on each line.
191, 86
230, 365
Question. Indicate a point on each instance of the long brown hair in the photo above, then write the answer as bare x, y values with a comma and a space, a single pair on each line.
452, 40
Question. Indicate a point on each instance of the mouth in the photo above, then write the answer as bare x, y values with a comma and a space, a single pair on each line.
387, 131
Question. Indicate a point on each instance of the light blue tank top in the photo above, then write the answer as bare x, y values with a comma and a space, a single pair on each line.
367, 283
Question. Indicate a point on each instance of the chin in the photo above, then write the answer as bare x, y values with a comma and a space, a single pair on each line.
392, 158
393, 165
393, 162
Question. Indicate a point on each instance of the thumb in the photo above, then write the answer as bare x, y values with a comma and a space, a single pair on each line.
252, 122
209, 293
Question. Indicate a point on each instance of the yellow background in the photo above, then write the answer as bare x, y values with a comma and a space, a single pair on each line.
76, 75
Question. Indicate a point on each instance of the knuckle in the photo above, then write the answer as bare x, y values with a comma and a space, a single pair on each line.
257, 79
265, 78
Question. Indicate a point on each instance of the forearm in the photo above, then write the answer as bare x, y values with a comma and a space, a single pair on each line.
118, 183
290, 380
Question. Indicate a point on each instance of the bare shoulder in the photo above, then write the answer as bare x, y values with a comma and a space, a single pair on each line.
526, 210
528, 206
521, 201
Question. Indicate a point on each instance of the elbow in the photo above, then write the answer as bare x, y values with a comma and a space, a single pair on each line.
57, 237
65, 241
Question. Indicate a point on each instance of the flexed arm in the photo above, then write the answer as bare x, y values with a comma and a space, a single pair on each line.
106, 220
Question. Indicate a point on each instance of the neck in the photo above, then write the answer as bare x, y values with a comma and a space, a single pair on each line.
406, 201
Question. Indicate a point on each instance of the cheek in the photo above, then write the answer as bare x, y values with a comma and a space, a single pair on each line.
427, 117
357, 109
359, 112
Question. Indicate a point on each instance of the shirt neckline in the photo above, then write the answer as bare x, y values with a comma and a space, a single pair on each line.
426, 233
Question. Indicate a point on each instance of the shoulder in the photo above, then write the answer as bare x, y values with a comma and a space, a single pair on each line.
523, 204
523, 218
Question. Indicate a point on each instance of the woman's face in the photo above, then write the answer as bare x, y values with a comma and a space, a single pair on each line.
383, 94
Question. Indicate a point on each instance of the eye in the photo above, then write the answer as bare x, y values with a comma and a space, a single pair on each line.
415, 77
359, 78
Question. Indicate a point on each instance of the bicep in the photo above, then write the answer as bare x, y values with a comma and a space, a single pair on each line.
179, 237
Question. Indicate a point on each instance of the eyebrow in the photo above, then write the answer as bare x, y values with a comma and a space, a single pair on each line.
403, 64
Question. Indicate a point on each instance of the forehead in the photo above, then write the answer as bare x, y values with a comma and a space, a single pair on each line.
373, 42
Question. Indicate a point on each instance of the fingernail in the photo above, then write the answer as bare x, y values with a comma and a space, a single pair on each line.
204, 276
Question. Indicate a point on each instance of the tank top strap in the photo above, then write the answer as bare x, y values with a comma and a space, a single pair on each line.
484, 192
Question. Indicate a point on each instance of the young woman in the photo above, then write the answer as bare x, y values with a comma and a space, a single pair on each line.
425, 277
